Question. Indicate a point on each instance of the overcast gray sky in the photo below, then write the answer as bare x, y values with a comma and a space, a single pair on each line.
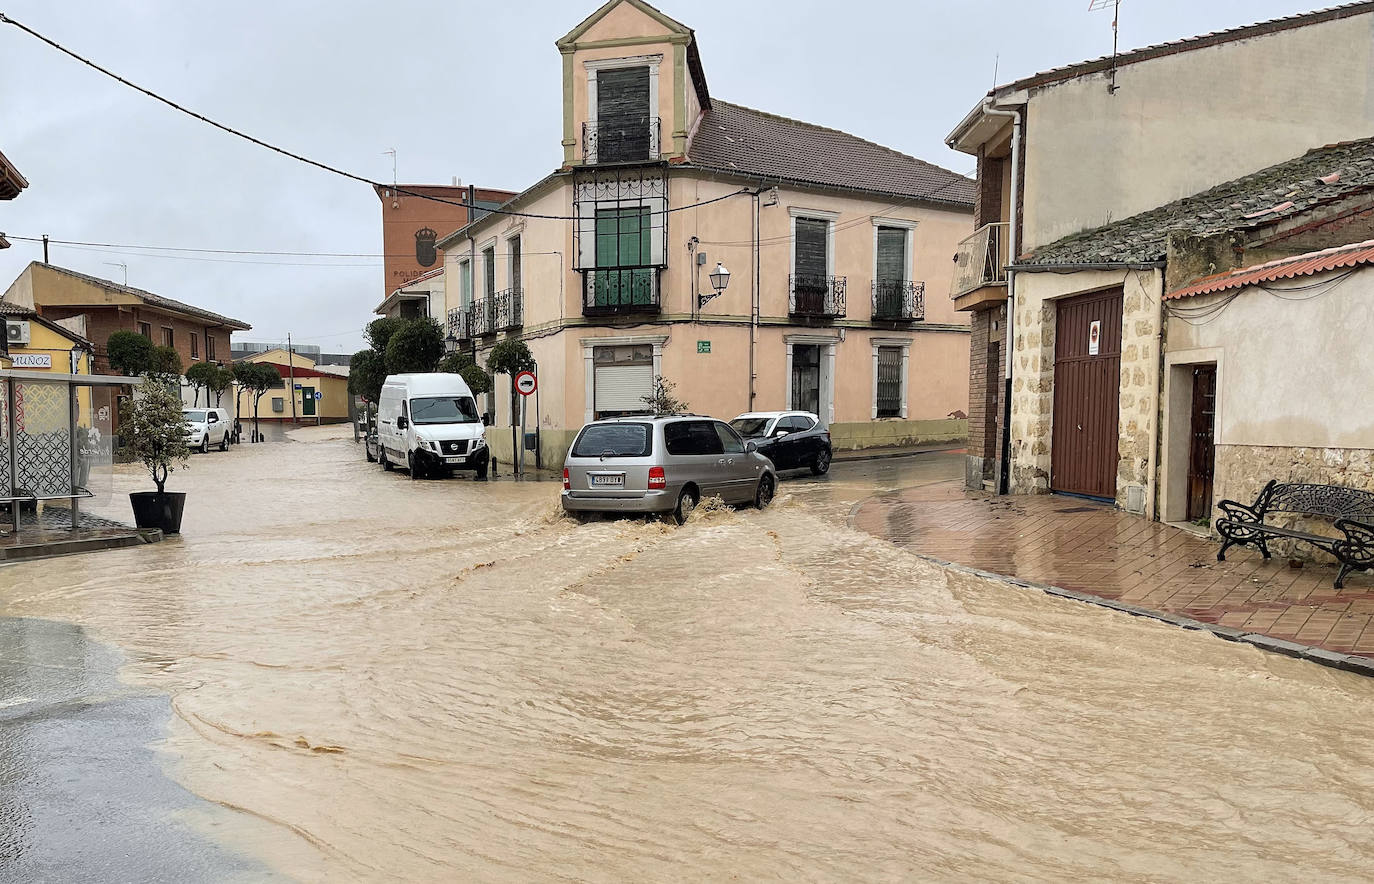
458, 88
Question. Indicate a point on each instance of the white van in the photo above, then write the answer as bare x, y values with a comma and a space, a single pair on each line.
429, 424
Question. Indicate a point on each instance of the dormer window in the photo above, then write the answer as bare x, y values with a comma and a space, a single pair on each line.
622, 110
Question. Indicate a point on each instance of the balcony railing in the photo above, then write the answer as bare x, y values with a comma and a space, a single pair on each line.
981, 260
621, 139
459, 324
498, 312
816, 296
620, 290
898, 301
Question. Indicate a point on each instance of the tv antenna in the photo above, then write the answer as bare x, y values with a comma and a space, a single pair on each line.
395, 198
1115, 7
122, 266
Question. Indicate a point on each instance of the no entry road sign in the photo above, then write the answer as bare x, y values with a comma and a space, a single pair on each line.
526, 383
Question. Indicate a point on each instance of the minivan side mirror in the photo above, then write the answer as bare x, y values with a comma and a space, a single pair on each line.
212, 418
402, 423
751, 446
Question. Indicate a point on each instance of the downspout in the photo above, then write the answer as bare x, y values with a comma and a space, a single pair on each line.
1008, 350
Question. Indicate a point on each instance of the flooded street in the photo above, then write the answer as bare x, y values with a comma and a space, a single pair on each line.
386, 679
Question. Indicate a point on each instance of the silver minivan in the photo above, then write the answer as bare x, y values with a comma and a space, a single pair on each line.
663, 465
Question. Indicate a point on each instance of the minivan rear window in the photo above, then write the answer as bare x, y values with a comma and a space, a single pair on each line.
614, 440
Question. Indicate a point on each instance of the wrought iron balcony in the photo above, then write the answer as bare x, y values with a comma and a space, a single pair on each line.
981, 260
820, 297
898, 301
621, 139
620, 290
498, 312
459, 324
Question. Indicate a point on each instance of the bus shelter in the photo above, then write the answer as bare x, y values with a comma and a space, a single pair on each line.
57, 440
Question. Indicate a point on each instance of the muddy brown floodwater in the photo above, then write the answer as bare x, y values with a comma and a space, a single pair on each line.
444, 680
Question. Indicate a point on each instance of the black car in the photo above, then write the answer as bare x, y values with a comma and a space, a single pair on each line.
792, 440
370, 443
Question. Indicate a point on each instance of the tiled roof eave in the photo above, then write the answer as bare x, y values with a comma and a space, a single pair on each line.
769, 177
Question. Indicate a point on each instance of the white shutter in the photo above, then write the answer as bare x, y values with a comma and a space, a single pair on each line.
623, 387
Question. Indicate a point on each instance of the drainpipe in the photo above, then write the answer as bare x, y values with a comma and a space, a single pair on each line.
1008, 348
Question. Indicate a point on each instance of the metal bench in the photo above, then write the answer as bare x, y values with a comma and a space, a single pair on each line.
1350, 509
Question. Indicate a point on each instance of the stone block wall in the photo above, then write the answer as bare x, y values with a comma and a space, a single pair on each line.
1032, 395
1243, 470
1140, 383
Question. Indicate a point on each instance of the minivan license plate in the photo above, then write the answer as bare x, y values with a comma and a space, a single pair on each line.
617, 480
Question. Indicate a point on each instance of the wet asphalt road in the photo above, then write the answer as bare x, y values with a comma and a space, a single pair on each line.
83, 796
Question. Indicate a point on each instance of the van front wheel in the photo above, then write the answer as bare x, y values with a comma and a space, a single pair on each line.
383, 459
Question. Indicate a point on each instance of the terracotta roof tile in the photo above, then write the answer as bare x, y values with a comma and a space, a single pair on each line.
734, 138
1323, 175
1309, 264
153, 300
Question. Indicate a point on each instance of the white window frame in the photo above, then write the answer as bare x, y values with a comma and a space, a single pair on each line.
905, 344
589, 346
465, 298
606, 64
657, 207
815, 215
908, 273
827, 343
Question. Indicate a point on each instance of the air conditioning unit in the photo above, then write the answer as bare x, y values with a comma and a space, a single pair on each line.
17, 331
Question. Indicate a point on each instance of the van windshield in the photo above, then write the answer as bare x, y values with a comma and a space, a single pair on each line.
444, 410
613, 440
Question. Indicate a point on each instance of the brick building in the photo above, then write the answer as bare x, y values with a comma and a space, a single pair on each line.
106, 307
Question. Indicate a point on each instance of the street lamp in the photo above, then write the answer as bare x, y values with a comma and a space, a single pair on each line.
720, 280
451, 343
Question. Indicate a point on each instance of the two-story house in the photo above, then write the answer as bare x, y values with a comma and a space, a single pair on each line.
1083, 171
756, 262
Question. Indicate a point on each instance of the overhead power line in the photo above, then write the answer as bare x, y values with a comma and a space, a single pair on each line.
5, 19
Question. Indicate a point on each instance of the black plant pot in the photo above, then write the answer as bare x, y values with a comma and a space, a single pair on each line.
158, 510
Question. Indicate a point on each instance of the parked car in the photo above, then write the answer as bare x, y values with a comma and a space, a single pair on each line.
206, 427
792, 440
429, 424
371, 447
663, 465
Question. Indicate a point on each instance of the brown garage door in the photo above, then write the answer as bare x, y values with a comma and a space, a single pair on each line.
1087, 386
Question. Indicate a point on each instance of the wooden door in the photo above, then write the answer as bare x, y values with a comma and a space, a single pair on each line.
992, 438
1201, 455
1087, 390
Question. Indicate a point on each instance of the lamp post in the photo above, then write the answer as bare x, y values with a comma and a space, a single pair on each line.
720, 280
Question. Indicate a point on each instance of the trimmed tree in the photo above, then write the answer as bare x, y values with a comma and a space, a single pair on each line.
129, 353
257, 378
662, 401
154, 430
166, 365
417, 346
379, 331
220, 382
510, 357
202, 376
478, 381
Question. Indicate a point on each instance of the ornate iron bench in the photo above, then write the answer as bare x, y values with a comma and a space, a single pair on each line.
1351, 510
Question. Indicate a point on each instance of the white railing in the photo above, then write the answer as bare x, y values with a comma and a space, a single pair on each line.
981, 260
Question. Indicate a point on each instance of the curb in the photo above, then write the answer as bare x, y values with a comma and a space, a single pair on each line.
835, 458
1334, 659
31, 551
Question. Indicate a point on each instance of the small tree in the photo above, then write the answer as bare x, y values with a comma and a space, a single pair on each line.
463, 364
257, 378
379, 331
166, 365
202, 376
510, 357
366, 374
129, 353
221, 381
662, 401
155, 431
417, 346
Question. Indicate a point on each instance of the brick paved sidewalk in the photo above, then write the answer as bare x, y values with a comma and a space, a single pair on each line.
1097, 550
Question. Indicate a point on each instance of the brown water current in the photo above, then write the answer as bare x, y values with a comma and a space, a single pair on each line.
443, 680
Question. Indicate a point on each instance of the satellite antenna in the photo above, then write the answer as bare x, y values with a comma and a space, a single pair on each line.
1115, 7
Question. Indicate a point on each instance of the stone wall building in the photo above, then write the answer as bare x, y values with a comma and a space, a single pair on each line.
1079, 147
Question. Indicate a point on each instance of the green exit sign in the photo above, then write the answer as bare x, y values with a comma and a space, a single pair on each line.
703, 346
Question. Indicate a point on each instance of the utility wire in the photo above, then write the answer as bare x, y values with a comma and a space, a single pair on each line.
316, 163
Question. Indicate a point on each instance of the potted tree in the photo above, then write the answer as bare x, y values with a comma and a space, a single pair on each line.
155, 433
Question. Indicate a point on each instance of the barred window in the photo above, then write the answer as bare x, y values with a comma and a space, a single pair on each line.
889, 382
